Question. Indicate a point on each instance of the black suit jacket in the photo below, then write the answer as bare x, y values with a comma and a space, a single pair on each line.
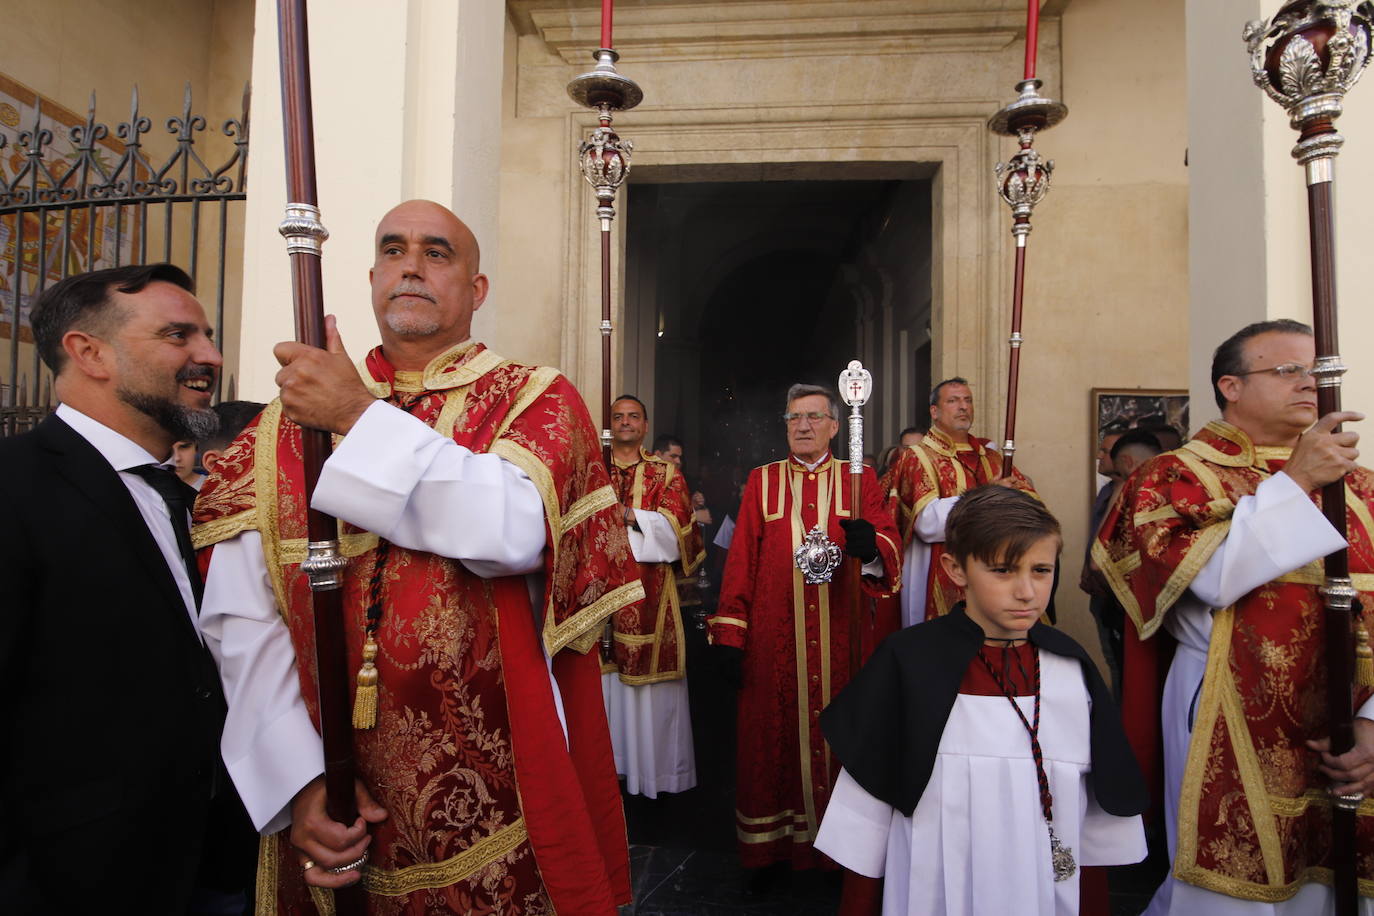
111, 705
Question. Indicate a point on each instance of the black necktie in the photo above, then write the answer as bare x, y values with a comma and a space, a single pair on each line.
178, 496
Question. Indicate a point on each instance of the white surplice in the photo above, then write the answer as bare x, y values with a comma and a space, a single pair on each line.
1274, 531
977, 842
393, 475
651, 724
929, 529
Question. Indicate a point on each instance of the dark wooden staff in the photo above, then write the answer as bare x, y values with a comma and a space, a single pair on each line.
324, 564
1306, 58
1023, 181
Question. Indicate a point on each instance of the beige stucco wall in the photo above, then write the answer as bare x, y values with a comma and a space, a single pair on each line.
66, 49
407, 103
1107, 278
1249, 205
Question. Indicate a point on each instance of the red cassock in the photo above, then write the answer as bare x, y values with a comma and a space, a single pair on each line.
795, 639
490, 808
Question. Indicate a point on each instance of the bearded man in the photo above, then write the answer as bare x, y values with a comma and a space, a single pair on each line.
113, 703
485, 550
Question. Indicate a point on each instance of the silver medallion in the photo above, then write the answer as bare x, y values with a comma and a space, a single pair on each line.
1061, 858
817, 557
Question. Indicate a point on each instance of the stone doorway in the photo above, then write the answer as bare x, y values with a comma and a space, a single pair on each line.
736, 289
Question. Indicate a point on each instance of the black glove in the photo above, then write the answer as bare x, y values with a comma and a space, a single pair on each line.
730, 662
860, 540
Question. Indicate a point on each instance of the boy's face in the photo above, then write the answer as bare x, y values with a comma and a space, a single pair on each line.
1006, 599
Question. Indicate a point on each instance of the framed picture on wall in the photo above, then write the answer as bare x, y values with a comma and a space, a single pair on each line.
1162, 411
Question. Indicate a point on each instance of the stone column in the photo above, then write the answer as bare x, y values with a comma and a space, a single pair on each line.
1248, 240
407, 100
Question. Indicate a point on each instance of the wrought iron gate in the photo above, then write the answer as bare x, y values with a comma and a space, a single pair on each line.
74, 198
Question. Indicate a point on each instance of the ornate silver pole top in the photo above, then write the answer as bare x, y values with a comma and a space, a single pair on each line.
856, 386
1306, 58
603, 157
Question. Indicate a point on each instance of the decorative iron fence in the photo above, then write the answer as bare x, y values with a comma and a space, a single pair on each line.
73, 198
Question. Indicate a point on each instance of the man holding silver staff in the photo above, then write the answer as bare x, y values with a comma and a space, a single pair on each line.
485, 548
1219, 545
784, 629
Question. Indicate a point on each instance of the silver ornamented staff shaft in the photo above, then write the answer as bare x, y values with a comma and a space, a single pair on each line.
856, 386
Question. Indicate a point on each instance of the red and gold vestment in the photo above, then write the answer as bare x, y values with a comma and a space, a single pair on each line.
1253, 815
647, 657
935, 468
795, 639
483, 817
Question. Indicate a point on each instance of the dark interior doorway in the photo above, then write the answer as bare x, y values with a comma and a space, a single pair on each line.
737, 289
734, 290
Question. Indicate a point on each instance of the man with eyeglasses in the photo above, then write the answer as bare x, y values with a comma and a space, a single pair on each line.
1218, 545
785, 641
922, 486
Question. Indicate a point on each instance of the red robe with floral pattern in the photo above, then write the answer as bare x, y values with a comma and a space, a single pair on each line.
1254, 816
935, 468
658, 486
489, 809
795, 639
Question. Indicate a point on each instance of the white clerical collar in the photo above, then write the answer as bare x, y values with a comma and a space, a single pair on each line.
811, 466
119, 450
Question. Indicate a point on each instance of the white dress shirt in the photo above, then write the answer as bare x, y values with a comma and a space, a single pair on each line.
123, 453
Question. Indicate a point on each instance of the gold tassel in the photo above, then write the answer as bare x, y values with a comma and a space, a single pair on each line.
365, 703
1364, 658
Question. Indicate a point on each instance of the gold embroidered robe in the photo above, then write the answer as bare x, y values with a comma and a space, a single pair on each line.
1253, 812
935, 468
483, 815
658, 654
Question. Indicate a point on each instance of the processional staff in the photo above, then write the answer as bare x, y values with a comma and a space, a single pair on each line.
1306, 58
1023, 182
324, 564
856, 385
604, 159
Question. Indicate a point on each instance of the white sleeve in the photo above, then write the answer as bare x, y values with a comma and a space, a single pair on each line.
930, 524
655, 541
1274, 531
855, 828
394, 475
874, 567
270, 746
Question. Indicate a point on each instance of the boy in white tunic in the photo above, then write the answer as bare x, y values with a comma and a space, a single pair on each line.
984, 760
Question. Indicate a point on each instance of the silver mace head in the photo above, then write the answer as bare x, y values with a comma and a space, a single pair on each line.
603, 157
1024, 180
1306, 58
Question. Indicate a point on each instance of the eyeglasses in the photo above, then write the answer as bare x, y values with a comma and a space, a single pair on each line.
1288, 371
815, 416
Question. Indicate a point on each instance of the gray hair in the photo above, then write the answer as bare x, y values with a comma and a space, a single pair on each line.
800, 390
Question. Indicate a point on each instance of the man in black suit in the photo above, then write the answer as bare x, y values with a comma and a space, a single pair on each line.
112, 704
